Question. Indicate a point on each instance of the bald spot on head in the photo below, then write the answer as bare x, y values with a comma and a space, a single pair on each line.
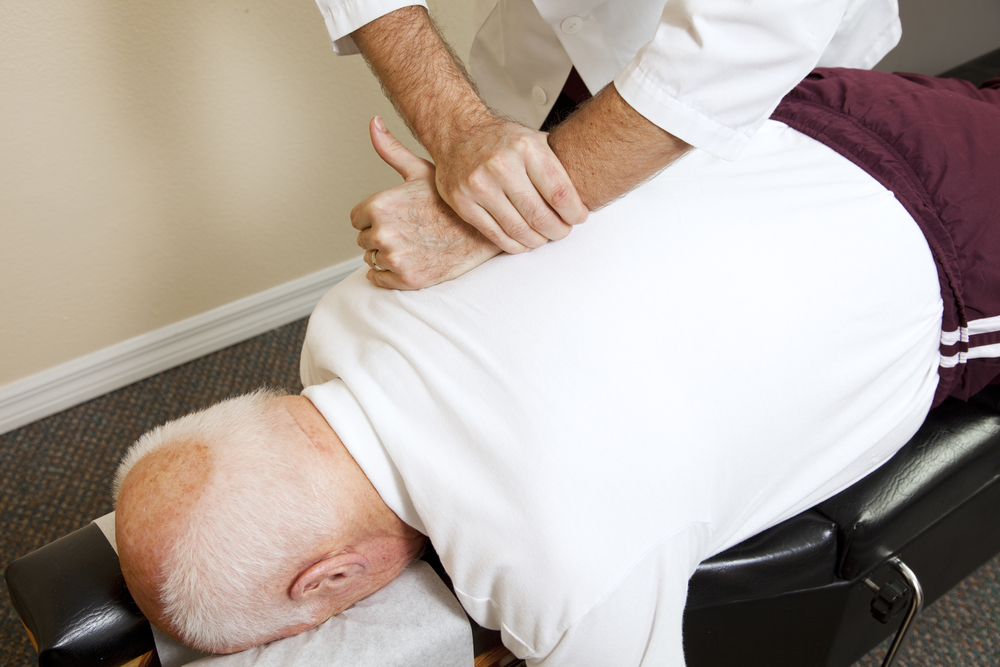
155, 502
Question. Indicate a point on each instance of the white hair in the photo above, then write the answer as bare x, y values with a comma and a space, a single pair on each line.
261, 512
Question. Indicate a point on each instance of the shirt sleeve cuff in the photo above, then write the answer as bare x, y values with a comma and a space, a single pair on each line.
715, 70
679, 119
343, 17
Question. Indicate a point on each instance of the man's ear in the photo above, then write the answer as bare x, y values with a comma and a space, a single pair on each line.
329, 577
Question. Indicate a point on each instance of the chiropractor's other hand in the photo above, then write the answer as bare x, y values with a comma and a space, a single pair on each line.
408, 231
503, 179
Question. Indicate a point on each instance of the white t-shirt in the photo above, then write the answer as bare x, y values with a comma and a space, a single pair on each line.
707, 71
577, 427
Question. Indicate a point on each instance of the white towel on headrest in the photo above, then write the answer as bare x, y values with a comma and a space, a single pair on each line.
415, 620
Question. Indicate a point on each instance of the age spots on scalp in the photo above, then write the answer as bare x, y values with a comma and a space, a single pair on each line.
167, 481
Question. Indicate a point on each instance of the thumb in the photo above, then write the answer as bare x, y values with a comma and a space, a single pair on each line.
396, 155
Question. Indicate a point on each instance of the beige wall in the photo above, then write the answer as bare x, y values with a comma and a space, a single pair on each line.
160, 159
940, 34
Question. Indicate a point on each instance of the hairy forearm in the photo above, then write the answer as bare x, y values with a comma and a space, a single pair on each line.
608, 148
423, 77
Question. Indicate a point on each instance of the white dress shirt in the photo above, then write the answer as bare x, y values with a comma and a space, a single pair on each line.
708, 71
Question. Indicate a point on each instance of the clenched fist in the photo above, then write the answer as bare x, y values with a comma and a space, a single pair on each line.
412, 238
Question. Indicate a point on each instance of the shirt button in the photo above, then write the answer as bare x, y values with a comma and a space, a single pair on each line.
572, 25
539, 96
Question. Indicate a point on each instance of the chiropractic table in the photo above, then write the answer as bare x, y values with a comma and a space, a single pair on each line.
822, 588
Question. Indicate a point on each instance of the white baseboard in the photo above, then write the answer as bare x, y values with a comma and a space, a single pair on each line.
95, 374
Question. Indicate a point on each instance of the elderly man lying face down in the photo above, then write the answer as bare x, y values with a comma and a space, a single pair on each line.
574, 428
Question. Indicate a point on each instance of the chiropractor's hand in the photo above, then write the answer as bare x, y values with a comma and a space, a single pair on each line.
499, 176
502, 178
414, 238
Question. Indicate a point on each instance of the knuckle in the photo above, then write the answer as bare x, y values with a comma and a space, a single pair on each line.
377, 237
480, 179
516, 227
387, 260
534, 210
378, 208
562, 195
525, 143
566, 200
462, 203
504, 166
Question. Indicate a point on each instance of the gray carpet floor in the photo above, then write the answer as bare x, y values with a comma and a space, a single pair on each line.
54, 478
